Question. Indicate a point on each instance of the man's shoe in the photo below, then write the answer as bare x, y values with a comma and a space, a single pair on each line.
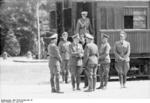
124, 86
104, 88
59, 92
73, 89
53, 91
85, 86
121, 86
89, 90
101, 87
78, 89
93, 89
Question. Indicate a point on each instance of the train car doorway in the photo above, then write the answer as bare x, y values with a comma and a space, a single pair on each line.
90, 7
84, 6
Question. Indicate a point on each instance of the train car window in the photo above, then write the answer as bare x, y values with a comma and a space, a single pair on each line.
135, 18
139, 20
128, 22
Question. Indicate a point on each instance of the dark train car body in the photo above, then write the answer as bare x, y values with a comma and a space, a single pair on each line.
111, 16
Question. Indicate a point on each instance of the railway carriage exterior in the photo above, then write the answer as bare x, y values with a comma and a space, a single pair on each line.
110, 17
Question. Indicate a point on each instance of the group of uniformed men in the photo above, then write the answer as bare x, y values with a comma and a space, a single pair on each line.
72, 57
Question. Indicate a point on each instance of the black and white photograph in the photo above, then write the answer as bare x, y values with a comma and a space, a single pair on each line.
74, 49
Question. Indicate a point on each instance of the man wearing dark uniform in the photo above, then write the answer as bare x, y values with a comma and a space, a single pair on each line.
122, 58
104, 61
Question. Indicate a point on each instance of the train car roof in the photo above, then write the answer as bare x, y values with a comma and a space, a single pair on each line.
106, 0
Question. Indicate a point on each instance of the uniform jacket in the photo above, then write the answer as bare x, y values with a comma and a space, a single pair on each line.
54, 54
122, 50
83, 26
91, 54
104, 53
64, 49
76, 52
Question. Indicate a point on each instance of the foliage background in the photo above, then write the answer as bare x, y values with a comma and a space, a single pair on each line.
19, 16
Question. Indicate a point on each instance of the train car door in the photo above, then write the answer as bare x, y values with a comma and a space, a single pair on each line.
67, 20
85, 6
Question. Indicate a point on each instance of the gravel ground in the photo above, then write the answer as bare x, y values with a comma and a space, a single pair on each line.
31, 80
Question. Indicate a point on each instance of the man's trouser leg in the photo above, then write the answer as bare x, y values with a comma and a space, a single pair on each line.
52, 82
85, 78
107, 67
73, 76
66, 70
63, 70
57, 82
73, 81
78, 77
126, 68
119, 66
102, 75
90, 69
121, 79
94, 76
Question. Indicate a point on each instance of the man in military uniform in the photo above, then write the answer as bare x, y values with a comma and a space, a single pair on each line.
76, 52
54, 64
104, 60
122, 59
91, 61
83, 26
64, 51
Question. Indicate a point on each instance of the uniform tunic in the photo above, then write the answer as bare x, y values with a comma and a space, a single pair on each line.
54, 58
122, 50
76, 52
65, 54
91, 61
91, 54
104, 58
104, 53
83, 26
64, 49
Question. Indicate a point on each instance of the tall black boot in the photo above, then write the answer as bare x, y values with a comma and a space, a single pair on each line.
78, 81
66, 77
101, 83
94, 83
85, 80
124, 81
52, 85
73, 82
121, 80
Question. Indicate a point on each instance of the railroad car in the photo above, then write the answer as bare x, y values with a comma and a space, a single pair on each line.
110, 17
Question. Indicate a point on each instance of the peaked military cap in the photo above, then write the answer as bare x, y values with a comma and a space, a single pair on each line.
64, 33
84, 12
54, 36
105, 35
123, 33
89, 36
75, 36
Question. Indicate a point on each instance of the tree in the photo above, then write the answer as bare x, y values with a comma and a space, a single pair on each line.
12, 46
20, 17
